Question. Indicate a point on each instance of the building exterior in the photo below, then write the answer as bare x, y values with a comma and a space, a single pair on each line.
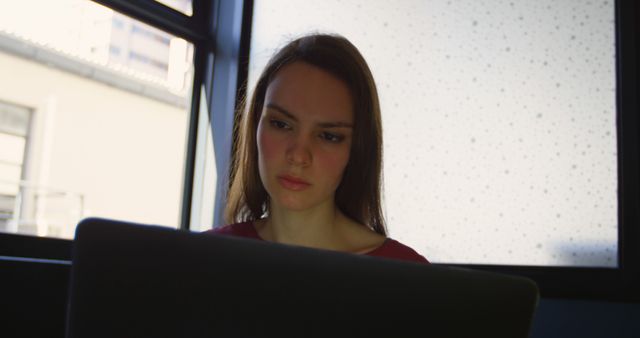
93, 119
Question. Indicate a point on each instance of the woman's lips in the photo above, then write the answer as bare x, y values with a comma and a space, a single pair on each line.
293, 183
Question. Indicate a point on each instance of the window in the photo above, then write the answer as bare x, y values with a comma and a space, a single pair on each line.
499, 121
109, 132
217, 79
605, 128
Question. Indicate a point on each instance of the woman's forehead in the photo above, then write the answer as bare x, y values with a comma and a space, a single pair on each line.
307, 91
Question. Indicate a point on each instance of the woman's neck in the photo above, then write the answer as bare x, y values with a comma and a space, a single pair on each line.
319, 227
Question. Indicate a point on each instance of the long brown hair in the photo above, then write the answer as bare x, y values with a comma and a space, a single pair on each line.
358, 195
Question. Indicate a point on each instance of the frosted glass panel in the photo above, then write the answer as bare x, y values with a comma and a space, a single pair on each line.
498, 116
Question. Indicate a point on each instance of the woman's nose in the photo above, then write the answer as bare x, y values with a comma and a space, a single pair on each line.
299, 152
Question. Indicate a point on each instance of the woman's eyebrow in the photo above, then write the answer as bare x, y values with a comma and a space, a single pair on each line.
288, 114
281, 110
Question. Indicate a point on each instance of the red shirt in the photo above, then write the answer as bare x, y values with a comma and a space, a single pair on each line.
389, 249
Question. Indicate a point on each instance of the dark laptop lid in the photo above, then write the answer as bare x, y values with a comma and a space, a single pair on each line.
132, 280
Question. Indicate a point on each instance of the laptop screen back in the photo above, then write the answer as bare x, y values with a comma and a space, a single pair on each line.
131, 280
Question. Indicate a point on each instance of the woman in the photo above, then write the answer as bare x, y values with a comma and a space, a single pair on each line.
308, 162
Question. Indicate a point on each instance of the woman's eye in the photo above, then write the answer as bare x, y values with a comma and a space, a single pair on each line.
331, 137
279, 124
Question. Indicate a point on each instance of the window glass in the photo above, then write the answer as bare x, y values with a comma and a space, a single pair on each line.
205, 176
499, 121
94, 111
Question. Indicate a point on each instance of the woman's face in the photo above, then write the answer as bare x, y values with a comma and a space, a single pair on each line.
304, 136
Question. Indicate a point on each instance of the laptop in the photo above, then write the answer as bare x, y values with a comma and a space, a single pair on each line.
133, 280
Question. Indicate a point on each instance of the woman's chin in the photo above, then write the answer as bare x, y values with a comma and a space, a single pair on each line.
297, 200
294, 203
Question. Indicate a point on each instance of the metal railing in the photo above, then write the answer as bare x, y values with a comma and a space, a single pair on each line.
39, 210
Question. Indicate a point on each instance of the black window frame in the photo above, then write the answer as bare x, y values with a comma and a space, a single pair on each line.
209, 29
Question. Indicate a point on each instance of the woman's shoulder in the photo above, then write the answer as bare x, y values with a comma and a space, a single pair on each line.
396, 250
243, 229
